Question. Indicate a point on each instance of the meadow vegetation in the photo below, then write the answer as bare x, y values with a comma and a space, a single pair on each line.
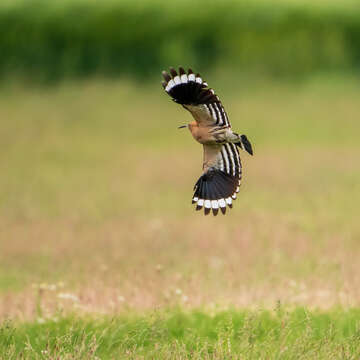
97, 229
175, 334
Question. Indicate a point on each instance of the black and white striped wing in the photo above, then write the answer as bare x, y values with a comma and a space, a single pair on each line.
220, 182
192, 92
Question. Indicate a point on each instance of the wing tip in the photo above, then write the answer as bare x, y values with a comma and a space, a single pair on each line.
173, 72
187, 88
212, 205
166, 76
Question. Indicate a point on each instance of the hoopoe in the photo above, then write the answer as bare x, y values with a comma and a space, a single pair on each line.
218, 185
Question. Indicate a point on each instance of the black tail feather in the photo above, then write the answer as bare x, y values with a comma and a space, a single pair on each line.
245, 144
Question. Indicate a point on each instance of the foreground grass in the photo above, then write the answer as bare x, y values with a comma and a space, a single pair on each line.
277, 334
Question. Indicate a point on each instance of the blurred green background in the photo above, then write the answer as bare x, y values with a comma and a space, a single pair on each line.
96, 179
50, 40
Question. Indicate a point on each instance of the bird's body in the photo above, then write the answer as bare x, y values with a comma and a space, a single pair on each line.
208, 134
222, 172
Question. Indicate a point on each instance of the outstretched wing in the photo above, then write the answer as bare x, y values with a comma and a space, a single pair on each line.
192, 92
220, 182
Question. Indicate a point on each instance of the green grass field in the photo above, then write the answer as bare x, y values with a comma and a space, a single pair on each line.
176, 334
102, 254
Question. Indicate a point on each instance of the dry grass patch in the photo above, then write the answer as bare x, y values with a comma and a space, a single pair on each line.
96, 197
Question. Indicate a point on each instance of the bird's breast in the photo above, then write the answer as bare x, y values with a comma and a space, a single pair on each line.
202, 135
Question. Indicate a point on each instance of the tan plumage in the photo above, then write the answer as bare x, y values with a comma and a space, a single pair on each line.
221, 178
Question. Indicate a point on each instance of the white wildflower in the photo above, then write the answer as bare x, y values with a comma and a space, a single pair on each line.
159, 267
178, 291
68, 296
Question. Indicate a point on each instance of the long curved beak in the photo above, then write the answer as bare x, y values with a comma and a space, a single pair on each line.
182, 126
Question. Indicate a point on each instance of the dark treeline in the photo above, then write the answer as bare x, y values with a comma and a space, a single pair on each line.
51, 40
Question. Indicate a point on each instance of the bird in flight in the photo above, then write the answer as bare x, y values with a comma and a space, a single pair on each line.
218, 185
